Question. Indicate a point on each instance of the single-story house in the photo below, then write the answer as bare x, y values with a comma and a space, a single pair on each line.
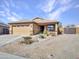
4, 29
35, 26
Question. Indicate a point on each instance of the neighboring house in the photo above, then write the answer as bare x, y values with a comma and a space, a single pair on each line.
71, 29
4, 29
35, 26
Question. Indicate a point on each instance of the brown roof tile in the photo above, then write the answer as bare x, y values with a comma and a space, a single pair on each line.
41, 21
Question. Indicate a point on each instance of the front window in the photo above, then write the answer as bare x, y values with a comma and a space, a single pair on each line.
50, 27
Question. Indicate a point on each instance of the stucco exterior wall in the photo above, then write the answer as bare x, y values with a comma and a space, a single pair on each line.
21, 30
10, 29
36, 28
1, 30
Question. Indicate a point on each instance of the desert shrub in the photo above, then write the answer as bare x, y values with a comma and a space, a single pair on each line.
27, 40
41, 36
52, 34
46, 33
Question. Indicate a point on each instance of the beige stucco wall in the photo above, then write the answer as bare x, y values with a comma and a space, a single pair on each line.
36, 28
10, 29
22, 30
1, 29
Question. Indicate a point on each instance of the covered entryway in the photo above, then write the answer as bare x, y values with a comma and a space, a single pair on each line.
41, 29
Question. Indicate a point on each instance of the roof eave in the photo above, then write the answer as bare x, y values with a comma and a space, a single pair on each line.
19, 22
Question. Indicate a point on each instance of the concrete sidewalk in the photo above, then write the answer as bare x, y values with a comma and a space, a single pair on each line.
9, 56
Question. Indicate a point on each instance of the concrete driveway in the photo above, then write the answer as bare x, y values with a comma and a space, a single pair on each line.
5, 39
64, 46
9, 56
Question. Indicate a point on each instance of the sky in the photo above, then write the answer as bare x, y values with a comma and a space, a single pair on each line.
65, 11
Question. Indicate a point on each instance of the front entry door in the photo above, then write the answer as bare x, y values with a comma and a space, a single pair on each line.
41, 29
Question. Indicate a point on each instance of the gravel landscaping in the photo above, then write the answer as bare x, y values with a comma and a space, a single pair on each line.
56, 47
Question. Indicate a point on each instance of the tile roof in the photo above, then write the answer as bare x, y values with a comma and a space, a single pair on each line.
46, 21
21, 21
35, 21
2, 24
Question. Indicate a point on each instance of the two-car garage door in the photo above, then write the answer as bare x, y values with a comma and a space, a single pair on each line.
21, 30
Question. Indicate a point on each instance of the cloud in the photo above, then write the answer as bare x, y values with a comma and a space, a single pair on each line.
1, 12
15, 14
48, 5
6, 3
77, 6
2, 15
64, 2
55, 8
7, 12
12, 18
57, 13
19, 4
